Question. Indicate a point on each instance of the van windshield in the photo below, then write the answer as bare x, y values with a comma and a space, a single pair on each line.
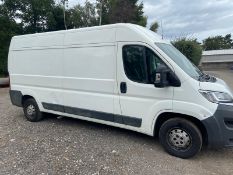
180, 60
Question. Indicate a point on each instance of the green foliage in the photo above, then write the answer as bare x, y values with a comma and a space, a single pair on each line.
82, 16
154, 26
139, 18
121, 11
33, 14
103, 7
56, 19
8, 28
190, 48
218, 42
6, 32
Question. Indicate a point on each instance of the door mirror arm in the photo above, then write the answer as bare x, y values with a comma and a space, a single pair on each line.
173, 79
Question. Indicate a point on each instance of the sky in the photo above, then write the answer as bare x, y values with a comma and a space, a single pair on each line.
188, 18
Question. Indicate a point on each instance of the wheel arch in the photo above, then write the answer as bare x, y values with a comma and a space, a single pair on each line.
26, 97
26, 94
168, 115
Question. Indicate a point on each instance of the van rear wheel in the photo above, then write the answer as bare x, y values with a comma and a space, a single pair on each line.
31, 110
180, 137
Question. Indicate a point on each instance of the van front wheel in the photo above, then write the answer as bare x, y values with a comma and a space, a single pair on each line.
180, 137
31, 110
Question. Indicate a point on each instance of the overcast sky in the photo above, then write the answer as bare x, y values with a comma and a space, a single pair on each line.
193, 18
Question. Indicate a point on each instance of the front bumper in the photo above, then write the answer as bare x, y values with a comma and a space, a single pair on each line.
219, 127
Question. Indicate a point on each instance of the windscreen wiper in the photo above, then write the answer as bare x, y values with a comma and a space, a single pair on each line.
206, 77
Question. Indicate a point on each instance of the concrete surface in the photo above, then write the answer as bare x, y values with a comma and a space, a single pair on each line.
226, 75
216, 65
217, 59
70, 146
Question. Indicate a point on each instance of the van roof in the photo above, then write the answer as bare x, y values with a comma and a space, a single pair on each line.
89, 35
108, 26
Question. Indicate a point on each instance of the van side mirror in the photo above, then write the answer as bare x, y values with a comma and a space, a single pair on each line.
161, 76
164, 77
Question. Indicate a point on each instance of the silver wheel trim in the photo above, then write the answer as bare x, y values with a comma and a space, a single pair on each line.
31, 110
179, 138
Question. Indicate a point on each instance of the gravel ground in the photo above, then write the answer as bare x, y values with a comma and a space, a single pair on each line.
71, 146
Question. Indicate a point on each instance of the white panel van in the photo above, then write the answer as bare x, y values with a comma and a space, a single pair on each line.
122, 75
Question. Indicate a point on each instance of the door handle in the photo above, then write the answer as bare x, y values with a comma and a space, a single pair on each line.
123, 87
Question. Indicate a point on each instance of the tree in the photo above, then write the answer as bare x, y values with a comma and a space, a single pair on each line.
190, 48
33, 14
103, 7
8, 28
140, 18
218, 42
228, 41
82, 16
154, 26
121, 11
55, 19
9, 8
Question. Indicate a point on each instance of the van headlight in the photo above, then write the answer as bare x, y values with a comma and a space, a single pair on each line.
216, 97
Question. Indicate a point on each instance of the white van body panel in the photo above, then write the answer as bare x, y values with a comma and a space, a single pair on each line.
220, 86
32, 68
82, 69
187, 100
92, 88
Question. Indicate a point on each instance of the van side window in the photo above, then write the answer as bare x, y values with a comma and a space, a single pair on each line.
135, 63
153, 61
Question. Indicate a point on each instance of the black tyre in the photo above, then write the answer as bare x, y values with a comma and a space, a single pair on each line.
180, 138
31, 110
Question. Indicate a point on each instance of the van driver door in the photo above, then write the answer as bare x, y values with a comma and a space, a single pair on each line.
140, 101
